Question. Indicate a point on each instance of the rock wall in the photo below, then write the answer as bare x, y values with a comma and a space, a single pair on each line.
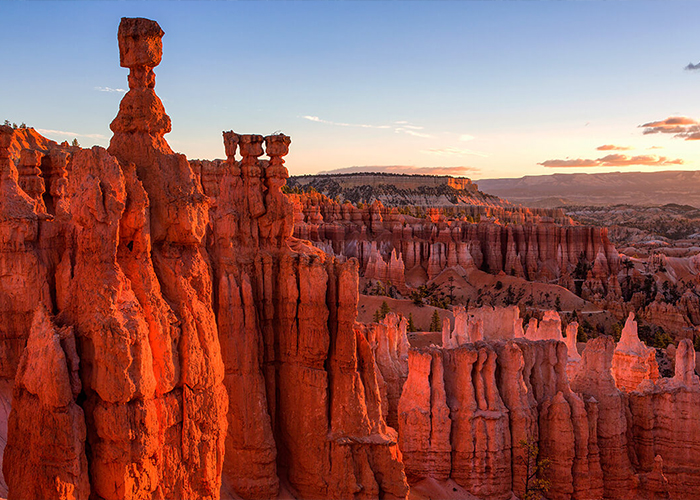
665, 426
490, 418
467, 413
388, 244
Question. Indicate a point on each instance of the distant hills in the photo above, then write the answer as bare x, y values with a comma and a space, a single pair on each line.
633, 188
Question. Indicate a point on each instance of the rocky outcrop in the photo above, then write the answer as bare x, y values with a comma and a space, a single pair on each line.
482, 323
451, 398
601, 443
547, 329
295, 308
571, 341
389, 342
24, 280
424, 421
492, 418
664, 426
633, 361
672, 317
45, 453
594, 380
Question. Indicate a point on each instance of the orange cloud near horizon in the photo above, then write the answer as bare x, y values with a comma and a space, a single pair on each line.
615, 160
681, 126
612, 147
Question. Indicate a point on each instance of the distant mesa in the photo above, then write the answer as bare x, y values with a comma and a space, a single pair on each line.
633, 188
396, 189
405, 169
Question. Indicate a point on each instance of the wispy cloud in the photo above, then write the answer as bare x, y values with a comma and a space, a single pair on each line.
466, 137
341, 124
612, 147
110, 89
615, 160
680, 126
453, 152
691, 66
405, 169
69, 134
399, 127
411, 131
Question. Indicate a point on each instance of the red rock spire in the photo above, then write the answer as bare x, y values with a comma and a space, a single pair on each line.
141, 50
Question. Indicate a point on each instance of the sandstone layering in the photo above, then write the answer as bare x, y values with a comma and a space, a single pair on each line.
389, 245
165, 336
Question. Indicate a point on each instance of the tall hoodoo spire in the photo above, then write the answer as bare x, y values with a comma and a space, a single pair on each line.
141, 50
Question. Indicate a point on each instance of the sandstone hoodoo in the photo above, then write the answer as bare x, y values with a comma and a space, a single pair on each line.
214, 353
169, 331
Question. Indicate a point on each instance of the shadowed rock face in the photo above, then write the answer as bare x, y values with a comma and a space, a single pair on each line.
391, 245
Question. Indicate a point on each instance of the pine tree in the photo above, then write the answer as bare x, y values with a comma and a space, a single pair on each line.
384, 309
435, 323
75, 143
412, 326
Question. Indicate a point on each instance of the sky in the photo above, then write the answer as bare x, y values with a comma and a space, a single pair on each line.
482, 89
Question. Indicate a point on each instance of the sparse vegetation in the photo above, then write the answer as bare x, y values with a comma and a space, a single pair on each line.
381, 313
432, 295
536, 482
653, 336
411, 325
581, 335
435, 322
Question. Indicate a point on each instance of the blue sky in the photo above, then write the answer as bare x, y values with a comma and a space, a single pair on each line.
495, 87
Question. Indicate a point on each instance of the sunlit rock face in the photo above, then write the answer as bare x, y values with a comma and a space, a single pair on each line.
164, 335
195, 349
600, 442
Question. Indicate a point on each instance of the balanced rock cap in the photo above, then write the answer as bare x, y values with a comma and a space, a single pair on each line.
140, 42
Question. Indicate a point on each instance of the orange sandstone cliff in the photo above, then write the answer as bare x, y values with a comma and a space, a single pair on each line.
389, 244
169, 335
